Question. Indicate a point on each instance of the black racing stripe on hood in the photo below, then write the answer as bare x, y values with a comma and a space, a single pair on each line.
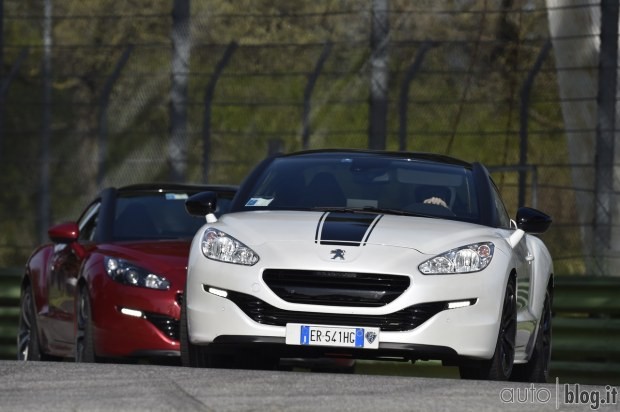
318, 227
346, 229
371, 228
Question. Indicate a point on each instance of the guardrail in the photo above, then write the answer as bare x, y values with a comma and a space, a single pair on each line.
9, 311
586, 329
586, 326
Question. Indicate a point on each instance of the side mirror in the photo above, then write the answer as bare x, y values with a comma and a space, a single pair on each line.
64, 233
532, 221
202, 204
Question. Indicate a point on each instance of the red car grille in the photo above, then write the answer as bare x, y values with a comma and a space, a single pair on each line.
167, 325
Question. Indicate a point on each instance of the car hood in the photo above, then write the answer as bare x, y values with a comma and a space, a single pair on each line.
426, 235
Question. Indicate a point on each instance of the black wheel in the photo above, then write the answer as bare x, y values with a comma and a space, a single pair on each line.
28, 343
190, 354
197, 356
499, 367
84, 340
537, 368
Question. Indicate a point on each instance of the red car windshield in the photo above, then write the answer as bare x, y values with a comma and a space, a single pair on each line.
155, 216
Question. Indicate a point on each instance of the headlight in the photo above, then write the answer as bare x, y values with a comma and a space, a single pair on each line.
217, 245
466, 259
127, 273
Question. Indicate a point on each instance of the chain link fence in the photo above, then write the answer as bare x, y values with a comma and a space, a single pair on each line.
475, 79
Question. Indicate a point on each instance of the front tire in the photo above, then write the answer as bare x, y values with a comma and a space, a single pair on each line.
84, 339
500, 366
537, 368
197, 356
28, 342
191, 355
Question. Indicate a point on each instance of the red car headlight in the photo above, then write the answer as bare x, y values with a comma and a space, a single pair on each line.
127, 273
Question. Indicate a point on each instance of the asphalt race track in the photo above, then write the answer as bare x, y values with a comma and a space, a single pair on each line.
66, 386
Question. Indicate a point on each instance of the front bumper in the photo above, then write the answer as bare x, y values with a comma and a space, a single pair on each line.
154, 333
469, 332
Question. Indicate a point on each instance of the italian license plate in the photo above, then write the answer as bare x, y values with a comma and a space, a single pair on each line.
338, 336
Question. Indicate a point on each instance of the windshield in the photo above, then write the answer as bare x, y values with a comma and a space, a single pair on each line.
353, 182
158, 216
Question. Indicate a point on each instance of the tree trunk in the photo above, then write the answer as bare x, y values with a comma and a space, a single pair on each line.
576, 44
181, 47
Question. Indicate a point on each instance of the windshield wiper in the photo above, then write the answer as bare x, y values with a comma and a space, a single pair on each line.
370, 209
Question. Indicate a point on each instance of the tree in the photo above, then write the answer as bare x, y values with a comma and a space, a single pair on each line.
588, 143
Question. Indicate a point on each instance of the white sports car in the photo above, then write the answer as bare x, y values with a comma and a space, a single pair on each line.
370, 255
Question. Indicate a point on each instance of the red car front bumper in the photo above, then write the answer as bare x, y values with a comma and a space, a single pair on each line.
135, 321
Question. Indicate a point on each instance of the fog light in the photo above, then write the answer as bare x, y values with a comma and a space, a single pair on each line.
218, 292
131, 312
460, 304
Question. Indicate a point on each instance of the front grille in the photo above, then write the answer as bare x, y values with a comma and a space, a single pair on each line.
403, 320
335, 288
167, 325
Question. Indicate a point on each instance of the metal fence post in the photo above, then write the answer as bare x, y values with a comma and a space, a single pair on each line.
379, 74
46, 125
4, 88
305, 121
532, 169
104, 102
404, 92
209, 93
524, 118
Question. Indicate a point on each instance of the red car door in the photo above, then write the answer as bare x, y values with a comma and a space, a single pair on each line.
64, 267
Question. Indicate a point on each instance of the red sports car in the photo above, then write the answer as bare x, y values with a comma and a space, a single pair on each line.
110, 284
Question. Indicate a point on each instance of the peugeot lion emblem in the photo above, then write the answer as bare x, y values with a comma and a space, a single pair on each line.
338, 254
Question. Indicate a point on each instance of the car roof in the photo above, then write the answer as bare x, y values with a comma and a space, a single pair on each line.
423, 156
